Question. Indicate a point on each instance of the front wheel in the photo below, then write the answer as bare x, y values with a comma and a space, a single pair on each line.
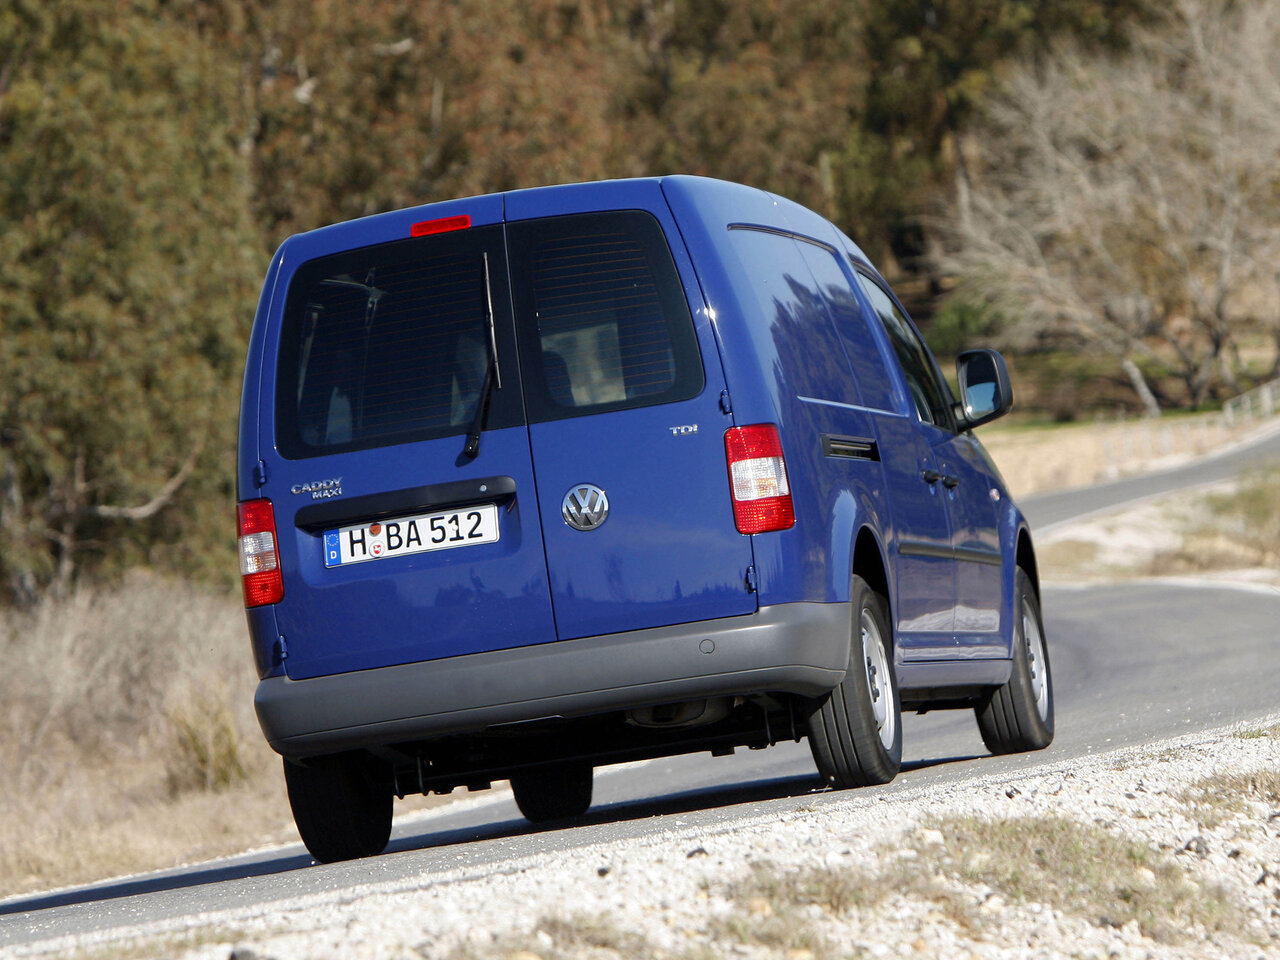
546, 794
1019, 716
855, 731
341, 804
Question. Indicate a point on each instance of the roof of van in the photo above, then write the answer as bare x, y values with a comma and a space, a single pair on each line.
713, 199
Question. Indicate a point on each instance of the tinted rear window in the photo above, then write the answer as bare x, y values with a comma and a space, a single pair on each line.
602, 317
389, 344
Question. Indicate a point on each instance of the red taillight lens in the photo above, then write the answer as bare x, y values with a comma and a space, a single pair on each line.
443, 225
259, 561
758, 479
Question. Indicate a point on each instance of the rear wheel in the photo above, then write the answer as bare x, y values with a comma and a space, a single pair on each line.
1019, 716
855, 731
553, 793
341, 804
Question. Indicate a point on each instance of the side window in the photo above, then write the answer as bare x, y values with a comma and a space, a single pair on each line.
791, 312
931, 397
602, 316
851, 324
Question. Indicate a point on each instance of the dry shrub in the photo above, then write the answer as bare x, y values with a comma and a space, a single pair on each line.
206, 743
128, 736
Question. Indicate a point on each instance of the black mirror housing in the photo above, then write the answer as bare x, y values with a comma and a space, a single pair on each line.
985, 390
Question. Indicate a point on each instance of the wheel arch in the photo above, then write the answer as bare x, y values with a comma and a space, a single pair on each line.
869, 564
1025, 557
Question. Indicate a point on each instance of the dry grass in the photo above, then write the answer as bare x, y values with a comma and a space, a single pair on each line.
1236, 527
1213, 799
1035, 459
1085, 870
769, 907
1080, 869
1260, 733
575, 937
129, 736
163, 947
1241, 527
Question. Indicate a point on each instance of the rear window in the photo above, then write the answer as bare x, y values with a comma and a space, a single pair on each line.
602, 317
389, 344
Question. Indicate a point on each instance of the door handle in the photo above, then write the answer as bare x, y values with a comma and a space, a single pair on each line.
950, 482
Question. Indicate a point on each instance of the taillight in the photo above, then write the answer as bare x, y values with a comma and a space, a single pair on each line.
758, 479
259, 560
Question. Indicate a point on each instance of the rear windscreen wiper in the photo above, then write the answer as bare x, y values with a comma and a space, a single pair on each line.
492, 376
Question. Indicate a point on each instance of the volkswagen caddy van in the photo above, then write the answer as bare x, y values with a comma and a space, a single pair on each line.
540, 481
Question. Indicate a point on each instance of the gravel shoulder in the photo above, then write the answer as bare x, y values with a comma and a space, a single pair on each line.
1170, 850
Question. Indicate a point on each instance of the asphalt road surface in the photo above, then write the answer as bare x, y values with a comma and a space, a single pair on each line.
1050, 509
1132, 663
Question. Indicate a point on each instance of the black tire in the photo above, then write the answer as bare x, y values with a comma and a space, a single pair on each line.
855, 731
1019, 715
553, 793
341, 804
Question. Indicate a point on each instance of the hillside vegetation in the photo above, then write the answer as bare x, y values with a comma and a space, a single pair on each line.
154, 152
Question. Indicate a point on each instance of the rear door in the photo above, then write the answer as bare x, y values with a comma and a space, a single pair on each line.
395, 546
626, 425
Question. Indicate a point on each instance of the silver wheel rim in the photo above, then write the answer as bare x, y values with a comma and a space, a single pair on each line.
1033, 643
878, 680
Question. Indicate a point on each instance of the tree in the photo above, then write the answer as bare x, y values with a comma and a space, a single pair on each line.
930, 65
1130, 204
342, 116
127, 266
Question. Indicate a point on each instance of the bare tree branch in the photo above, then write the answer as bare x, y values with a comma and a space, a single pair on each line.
1133, 203
156, 503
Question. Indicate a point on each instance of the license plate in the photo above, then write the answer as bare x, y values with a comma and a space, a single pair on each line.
417, 534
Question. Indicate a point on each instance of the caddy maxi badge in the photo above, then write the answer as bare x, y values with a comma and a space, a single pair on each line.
585, 507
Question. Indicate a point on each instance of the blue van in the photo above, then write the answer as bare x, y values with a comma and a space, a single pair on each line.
539, 481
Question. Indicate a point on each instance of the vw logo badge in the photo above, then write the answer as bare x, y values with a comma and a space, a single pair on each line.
585, 507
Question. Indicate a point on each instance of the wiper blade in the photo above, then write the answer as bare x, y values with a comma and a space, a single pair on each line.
492, 375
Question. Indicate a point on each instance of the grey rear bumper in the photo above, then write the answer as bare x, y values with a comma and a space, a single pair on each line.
800, 648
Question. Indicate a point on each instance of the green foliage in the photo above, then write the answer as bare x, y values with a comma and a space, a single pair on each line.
961, 324
126, 263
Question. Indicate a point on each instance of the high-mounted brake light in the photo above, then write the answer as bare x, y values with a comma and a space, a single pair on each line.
259, 560
443, 225
758, 479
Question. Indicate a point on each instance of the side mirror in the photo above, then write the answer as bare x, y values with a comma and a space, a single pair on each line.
985, 391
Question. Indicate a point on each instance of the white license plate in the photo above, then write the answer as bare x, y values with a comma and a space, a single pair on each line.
417, 534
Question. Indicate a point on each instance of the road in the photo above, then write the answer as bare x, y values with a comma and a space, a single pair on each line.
1132, 663
1047, 510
